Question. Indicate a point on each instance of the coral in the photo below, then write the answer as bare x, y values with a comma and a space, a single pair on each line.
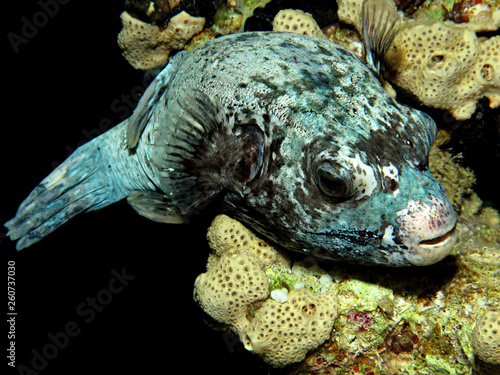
229, 18
296, 21
283, 333
147, 46
417, 321
152, 11
411, 321
444, 64
226, 235
350, 12
480, 15
486, 337
243, 272
456, 179
230, 286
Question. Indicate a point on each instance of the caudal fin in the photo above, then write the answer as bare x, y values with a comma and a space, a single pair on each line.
84, 182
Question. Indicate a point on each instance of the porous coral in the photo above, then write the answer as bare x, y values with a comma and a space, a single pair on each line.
296, 21
444, 64
226, 235
146, 46
486, 337
282, 333
410, 321
230, 286
236, 288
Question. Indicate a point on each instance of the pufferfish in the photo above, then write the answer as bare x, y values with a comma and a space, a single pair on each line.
295, 134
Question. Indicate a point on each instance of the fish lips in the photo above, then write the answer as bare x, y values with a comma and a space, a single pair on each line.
426, 229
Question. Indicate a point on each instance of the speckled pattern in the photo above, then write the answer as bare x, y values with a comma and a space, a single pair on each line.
262, 118
315, 102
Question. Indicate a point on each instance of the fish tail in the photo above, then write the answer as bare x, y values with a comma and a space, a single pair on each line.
86, 181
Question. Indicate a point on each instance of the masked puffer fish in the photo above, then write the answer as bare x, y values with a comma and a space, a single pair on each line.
296, 134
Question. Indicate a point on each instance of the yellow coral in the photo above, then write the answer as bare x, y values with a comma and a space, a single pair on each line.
486, 337
235, 291
297, 21
226, 235
227, 290
283, 333
147, 46
444, 64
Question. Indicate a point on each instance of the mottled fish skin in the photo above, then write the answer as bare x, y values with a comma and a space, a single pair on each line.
316, 102
316, 107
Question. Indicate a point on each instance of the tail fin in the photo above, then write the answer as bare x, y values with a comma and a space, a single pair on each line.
83, 182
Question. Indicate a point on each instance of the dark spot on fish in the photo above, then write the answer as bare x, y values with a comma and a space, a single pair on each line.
284, 67
343, 52
269, 84
247, 111
242, 85
288, 45
422, 166
324, 51
266, 118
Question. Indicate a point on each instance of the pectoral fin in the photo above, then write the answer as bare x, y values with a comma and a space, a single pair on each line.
205, 153
155, 206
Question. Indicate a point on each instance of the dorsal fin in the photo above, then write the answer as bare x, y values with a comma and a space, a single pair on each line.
380, 24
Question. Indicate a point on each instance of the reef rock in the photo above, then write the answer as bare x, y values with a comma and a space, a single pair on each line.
147, 46
236, 290
486, 337
360, 319
297, 21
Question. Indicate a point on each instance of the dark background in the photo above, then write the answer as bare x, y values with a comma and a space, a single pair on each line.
65, 84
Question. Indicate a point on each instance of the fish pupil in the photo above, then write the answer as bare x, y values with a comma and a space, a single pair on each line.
331, 185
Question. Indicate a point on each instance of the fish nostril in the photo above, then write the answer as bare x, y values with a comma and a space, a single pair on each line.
392, 185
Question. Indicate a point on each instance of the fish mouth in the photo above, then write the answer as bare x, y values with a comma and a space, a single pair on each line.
432, 250
428, 229
440, 240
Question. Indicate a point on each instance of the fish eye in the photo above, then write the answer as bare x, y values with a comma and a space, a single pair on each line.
331, 184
